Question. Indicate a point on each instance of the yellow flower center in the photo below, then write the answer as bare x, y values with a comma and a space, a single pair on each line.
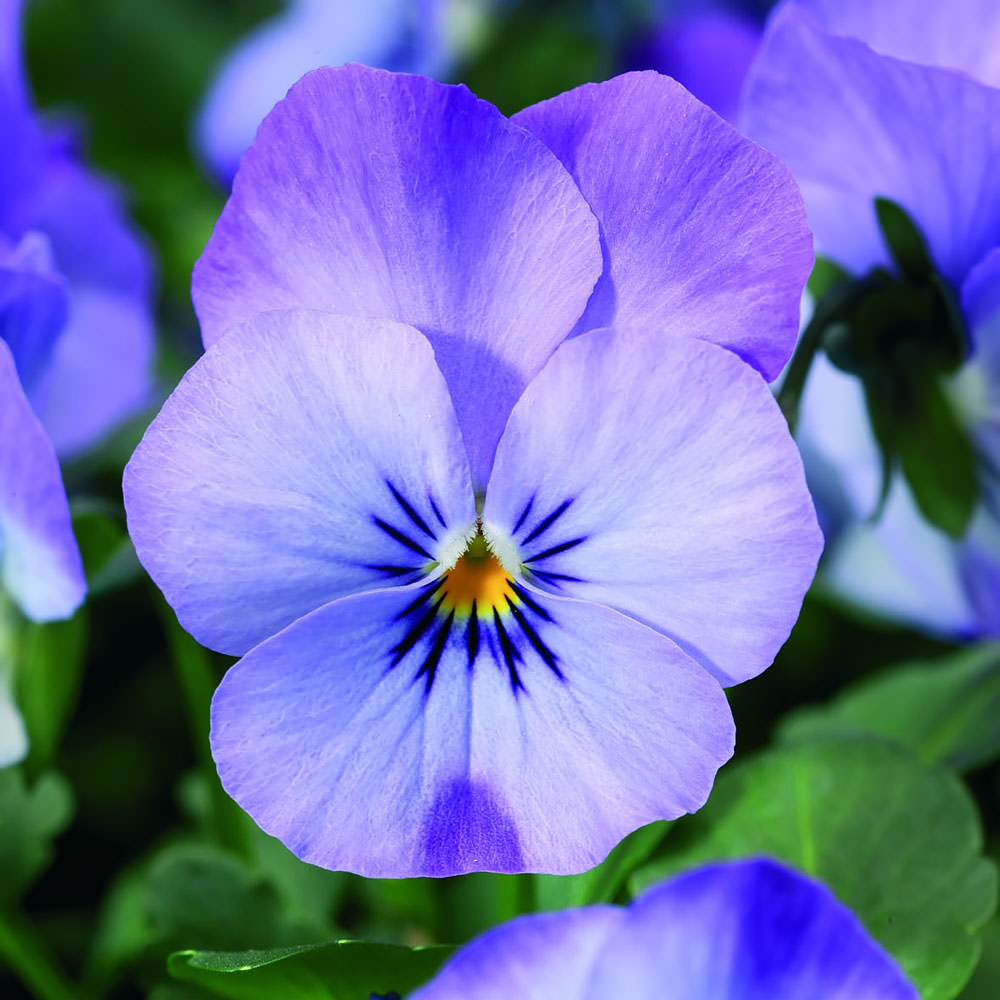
477, 580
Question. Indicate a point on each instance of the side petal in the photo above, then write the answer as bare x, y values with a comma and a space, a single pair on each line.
387, 196
100, 371
750, 930
304, 457
959, 35
664, 484
380, 738
852, 125
704, 233
535, 957
40, 566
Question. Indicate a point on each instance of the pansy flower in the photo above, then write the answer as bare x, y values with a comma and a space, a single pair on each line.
746, 930
423, 37
40, 570
487, 579
75, 279
900, 100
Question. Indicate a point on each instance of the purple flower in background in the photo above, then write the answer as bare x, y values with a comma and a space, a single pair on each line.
708, 47
75, 280
487, 583
899, 100
747, 930
424, 37
40, 569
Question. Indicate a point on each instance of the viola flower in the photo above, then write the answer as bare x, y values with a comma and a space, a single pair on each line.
898, 100
486, 584
425, 37
746, 930
40, 569
75, 279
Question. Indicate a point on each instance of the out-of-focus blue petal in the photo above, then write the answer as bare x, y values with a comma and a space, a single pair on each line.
747, 930
709, 51
393, 34
368, 737
304, 457
704, 233
390, 196
536, 957
960, 34
32, 305
40, 566
660, 479
852, 125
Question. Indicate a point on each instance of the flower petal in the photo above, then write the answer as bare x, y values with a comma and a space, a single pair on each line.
40, 566
300, 460
364, 738
534, 957
678, 494
749, 930
958, 35
704, 233
388, 196
100, 371
852, 125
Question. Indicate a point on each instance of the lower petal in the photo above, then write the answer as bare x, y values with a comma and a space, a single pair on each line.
368, 741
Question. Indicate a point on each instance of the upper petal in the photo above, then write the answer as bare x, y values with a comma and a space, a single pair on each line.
960, 34
385, 735
664, 483
40, 564
852, 125
704, 232
749, 930
381, 195
305, 456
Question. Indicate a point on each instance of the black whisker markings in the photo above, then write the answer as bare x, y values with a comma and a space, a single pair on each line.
528, 601
524, 514
437, 513
555, 578
402, 538
433, 658
426, 592
409, 511
511, 654
391, 570
417, 630
547, 522
556, 549
472, 635
535, 639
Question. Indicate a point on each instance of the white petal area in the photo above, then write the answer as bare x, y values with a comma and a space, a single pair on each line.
851, 125
959, 34
40, 567
535, 957
13, 736
356, 763
680, 494
253, 497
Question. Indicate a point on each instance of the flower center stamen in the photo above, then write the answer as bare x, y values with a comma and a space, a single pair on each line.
478, 580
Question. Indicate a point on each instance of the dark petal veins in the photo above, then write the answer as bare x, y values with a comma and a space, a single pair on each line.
548, 521
524, 514
402, 538
410, 512
556, 549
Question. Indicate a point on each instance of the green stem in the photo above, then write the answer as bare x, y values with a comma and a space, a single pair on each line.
198, 681
790, 393
25, 955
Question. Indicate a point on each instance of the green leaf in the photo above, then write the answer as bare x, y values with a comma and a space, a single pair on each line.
30, 817
200, 896
946, 710
897, 841
903, 240
338, 970
603, 883
48, 671
938, 459
985, 982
